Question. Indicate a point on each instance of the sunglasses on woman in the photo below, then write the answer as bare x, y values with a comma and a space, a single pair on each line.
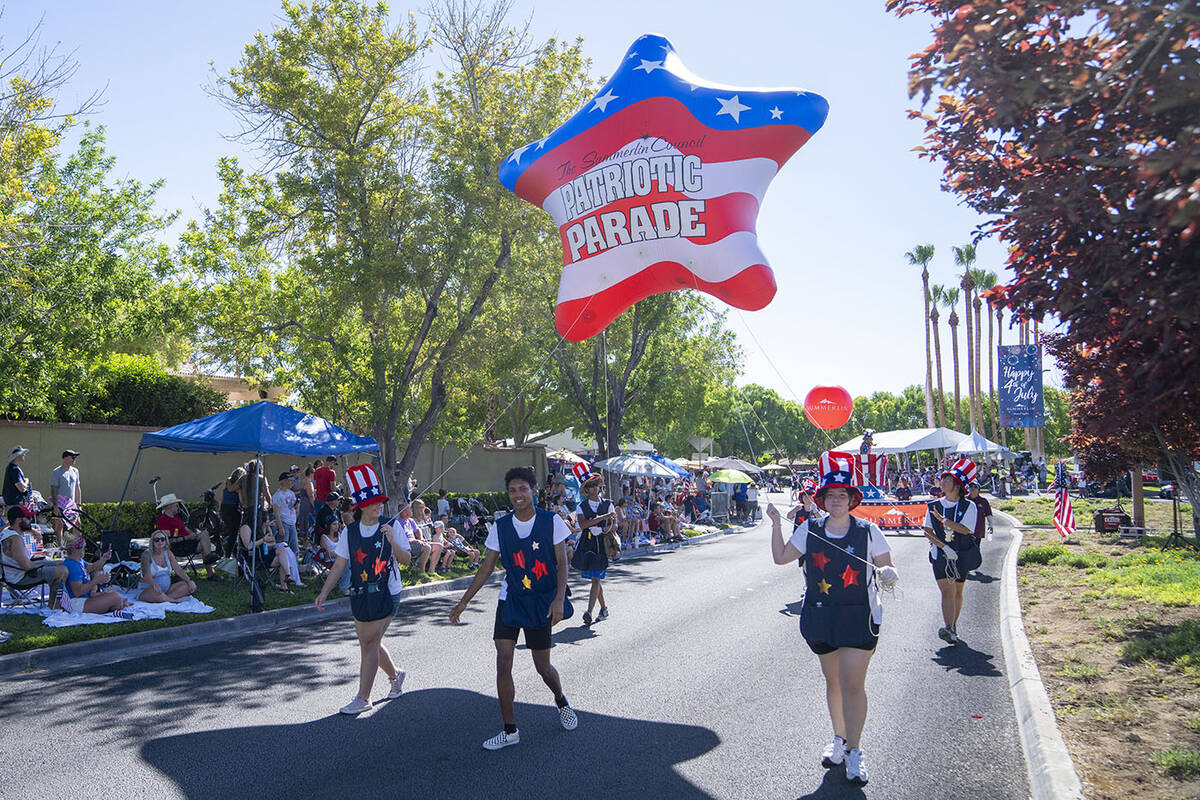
159, 539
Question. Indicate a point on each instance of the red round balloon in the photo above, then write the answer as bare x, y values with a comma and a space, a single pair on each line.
828, 407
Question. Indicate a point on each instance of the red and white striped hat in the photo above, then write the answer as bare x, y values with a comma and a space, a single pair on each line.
583, 473
963, 471
364, 484
837, 472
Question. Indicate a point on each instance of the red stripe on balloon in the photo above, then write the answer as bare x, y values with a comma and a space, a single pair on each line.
751, 289
656, 118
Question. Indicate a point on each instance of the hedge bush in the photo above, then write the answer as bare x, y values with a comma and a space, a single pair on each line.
137, 390
138, 518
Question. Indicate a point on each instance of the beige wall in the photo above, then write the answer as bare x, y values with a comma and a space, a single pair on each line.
106, 452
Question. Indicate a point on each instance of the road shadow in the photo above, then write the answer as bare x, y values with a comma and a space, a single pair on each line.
427, 744
792, 609
966, 660
981, 577
834, 785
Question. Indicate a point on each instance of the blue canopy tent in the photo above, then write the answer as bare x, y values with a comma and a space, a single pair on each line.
261, 428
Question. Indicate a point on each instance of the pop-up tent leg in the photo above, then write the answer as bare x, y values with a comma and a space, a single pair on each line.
112, 525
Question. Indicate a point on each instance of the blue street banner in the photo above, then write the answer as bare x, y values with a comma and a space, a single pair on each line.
1020, 390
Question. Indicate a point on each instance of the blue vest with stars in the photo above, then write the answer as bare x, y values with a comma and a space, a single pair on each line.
837, 607
370, 568
530, 571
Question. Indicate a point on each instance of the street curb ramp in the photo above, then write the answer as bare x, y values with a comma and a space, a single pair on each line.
1052, 774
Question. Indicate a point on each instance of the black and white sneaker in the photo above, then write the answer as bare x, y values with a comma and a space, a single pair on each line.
835, 753
856, 767
587, 618
502, 740
947, 635
566, 715
603, 615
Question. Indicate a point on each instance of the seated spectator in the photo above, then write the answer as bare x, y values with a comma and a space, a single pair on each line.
456, 544
667, 524
270, 553
418, 548
158, 568
625, 526
425, 527
448, 552
83, 593
184, 541
21, 569
327, 538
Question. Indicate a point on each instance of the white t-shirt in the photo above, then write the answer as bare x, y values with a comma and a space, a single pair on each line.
443, 506
286, 500
969, 519
341, 548
877, 545
752, 494
562, 532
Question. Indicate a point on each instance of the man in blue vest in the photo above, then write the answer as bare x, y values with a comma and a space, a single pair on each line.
533, 595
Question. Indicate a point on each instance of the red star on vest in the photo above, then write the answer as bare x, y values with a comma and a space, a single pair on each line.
849, 577
380, 566
820, 559
519, 558
539, 570
359, 555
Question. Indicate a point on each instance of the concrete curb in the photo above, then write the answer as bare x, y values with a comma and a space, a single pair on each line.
146, 643
1052, 774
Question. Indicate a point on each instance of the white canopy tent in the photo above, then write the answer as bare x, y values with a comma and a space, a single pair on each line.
909, 441
730, 462
977, 443
635, 465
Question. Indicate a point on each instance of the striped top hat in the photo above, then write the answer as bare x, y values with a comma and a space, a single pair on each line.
364, 486
584, 474
837, 472
963, 471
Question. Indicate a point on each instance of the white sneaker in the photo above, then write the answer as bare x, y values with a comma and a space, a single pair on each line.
356, 706
566, 715
501, 740
834, 754
856, 767
396, 684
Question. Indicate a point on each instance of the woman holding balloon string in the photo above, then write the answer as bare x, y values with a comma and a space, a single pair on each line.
844, 559
954, 551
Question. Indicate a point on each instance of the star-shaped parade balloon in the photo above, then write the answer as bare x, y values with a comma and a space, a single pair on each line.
655, 185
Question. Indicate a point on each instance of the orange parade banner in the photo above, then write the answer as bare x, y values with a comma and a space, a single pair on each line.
892, 516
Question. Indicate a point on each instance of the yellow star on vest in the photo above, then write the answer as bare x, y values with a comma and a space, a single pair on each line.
535, 545
364, 576
824, 586
526, 582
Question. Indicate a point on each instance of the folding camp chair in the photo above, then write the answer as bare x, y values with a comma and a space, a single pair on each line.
24, 596
127, 570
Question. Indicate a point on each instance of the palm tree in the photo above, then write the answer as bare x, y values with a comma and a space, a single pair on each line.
985, 281
937, 294
964, 259
950, 301
922, 254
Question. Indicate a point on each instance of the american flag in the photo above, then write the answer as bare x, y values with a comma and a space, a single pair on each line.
655, 185
1064, 517
870, 469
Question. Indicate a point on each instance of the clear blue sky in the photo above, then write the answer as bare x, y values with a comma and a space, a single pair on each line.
835, 223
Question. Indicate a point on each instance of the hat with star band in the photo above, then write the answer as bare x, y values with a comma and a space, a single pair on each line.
963, 471
365, 487
837, 472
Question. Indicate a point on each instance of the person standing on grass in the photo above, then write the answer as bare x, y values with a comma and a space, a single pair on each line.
325, 478
954, 550
284, 502
371, 551
844, 559
595, 518
983, 523
64, 490
533, 596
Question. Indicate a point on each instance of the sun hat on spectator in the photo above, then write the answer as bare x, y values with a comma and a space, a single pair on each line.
963, 471
166, 500
71, 453
16, 452
333, 496
837, 472
365, 488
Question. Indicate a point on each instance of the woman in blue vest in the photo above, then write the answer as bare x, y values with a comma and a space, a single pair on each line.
371, 551
533, 595
595, 519
954, 549
842, 557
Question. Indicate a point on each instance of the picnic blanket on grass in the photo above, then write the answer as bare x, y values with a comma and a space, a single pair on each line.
61, 619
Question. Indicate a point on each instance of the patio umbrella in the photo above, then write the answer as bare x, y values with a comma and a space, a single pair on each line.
730, 476
732, 463
565, 455
639, 466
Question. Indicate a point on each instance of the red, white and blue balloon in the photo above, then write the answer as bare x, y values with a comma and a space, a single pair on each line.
655, 185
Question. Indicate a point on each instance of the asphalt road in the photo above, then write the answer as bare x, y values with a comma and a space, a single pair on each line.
699, 685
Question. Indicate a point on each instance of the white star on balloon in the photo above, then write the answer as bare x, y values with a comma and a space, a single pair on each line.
648, 66
733, 108
516, 155
603, 100
776, 113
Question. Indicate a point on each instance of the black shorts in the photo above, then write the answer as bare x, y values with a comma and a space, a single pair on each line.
535, 638
821, 648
